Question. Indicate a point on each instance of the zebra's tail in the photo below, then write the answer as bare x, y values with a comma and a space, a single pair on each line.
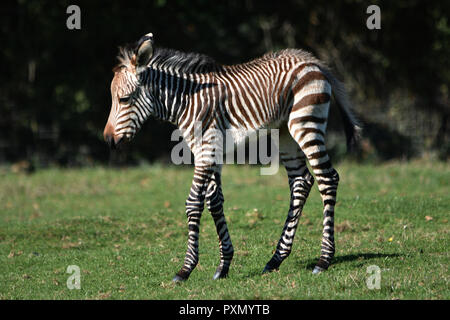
352, 126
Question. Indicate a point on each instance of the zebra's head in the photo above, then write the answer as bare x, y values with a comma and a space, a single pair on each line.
127, 112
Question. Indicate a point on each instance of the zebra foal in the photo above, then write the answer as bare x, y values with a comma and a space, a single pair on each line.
286, 89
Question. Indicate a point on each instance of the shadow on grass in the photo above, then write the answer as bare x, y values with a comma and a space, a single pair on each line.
354, 257
311, 263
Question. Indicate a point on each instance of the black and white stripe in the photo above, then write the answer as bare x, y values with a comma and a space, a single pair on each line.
288, 88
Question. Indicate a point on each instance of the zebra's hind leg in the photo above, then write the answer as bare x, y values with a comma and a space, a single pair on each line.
300, 183
307, 124
214, 201
327, 181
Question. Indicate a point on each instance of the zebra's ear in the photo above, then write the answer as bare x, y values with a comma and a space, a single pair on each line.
144, 51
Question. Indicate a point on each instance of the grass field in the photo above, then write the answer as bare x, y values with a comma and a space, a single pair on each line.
126, 230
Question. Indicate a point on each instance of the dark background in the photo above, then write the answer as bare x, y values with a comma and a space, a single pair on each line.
54, 82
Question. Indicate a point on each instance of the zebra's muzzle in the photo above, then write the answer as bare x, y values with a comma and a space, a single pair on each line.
112, 139
115, 143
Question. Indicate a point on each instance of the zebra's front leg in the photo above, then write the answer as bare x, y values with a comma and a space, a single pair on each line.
194, 209
300, 184
214, 201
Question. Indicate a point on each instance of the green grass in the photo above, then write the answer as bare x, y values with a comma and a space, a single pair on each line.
126, 230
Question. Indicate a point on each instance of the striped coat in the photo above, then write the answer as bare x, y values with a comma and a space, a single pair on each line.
289, 89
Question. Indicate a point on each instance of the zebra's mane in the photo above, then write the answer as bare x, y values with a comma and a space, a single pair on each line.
175, 60
186, 62
125, 58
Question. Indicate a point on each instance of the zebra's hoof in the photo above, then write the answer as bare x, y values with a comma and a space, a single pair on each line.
318, 270
272, 265
220, 273
268, 269
178, 279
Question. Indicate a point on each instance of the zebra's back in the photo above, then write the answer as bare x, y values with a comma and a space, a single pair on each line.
261, 93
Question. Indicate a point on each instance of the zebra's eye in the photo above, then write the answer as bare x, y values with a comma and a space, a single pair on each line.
125, 99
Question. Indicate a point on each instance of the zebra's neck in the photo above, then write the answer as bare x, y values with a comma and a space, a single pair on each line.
174, 93
174, 78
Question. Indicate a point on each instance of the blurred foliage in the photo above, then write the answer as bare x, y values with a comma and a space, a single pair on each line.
54, 88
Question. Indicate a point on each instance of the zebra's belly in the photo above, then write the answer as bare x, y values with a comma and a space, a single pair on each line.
238, 135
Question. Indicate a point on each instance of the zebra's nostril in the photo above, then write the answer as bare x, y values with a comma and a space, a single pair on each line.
117, 140
108, 135
110, 140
